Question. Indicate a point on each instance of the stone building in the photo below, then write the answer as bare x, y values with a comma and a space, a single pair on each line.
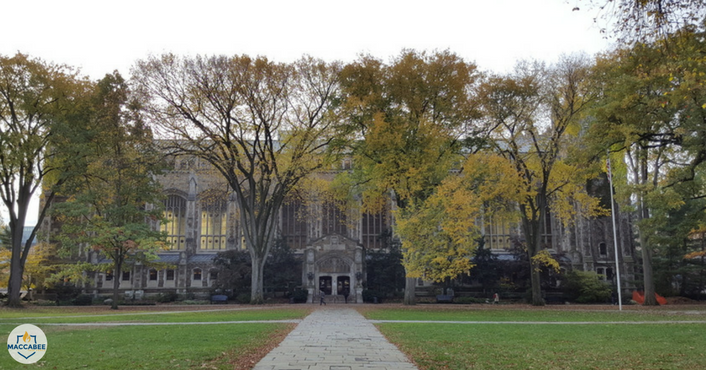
330, 241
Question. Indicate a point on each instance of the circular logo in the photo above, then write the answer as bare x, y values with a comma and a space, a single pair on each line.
27, 344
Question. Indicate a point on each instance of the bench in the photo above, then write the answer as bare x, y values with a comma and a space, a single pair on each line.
219, 298
444, 298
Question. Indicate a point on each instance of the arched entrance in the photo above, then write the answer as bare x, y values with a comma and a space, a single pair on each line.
333, 265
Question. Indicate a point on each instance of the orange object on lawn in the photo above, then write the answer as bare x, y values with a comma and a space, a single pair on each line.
639, 297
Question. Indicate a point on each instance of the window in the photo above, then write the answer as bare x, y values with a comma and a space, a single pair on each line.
213, 275
197, 274
109, 276
175, 223
293, 224
170, 274
153, 275
334, 219
126, 275
374, 226
609, 273
213, 220
602, 249
497, 234
601, 273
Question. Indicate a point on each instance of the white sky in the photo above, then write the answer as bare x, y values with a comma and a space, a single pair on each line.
100, 36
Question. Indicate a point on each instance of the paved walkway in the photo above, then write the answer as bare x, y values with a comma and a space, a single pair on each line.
335, 339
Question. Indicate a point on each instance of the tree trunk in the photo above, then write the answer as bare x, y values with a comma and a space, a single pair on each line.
116, 287
533, 229
14, 286
648, 277
17, 261
257, 282
537, 299
644, 214
409, 291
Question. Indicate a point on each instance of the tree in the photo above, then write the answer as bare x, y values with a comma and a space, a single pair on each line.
441, 233
487, 267
652, 114
114, 206
385, 274
36, 100
531, 117
262, 125
640, 21
410, 117
282, 269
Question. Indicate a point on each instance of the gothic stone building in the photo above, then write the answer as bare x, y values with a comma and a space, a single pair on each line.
330, 242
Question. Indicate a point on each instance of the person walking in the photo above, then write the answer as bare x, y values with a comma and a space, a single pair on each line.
322, 295
496, 298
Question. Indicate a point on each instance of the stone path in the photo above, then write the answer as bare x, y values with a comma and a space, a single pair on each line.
335, 339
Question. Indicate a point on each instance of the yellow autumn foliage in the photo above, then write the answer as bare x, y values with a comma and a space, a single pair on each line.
439, 234
545, 260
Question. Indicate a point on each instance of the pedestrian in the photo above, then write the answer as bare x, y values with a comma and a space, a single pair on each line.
496, 298
322, 295
345, 294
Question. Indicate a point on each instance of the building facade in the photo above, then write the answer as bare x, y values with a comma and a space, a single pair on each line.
329, 240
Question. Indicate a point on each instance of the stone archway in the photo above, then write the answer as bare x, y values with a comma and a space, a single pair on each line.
334, 265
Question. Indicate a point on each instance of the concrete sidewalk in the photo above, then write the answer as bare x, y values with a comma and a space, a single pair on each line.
335, 339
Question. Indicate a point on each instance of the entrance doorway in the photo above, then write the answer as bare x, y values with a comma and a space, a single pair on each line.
325, 284
344, 285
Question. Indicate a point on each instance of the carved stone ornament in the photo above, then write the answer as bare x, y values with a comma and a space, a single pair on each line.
334, 265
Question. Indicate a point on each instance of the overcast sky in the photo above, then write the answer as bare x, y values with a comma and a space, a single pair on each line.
100, 36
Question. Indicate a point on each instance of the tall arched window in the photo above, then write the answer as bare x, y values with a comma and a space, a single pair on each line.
293, 224
213, 220
374, 226
333, 220
175, 224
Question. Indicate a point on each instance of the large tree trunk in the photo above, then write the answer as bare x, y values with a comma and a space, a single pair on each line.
14, 285
410, 285
18, 258
533, 229
643, 214
257, 282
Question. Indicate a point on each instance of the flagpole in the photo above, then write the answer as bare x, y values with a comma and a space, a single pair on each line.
615, 234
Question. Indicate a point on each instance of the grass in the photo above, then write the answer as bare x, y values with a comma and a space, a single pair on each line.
149, 347
421, 313
145, 347
536, 346
207, 315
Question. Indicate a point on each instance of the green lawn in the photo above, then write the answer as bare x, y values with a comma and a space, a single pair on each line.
535, 346
36, 318
421, 313
150, 346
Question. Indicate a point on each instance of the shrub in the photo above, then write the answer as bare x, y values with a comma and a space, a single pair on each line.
243, 298
469, 300
300, 296
167, 297
370, 295
137, 303
586, 287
